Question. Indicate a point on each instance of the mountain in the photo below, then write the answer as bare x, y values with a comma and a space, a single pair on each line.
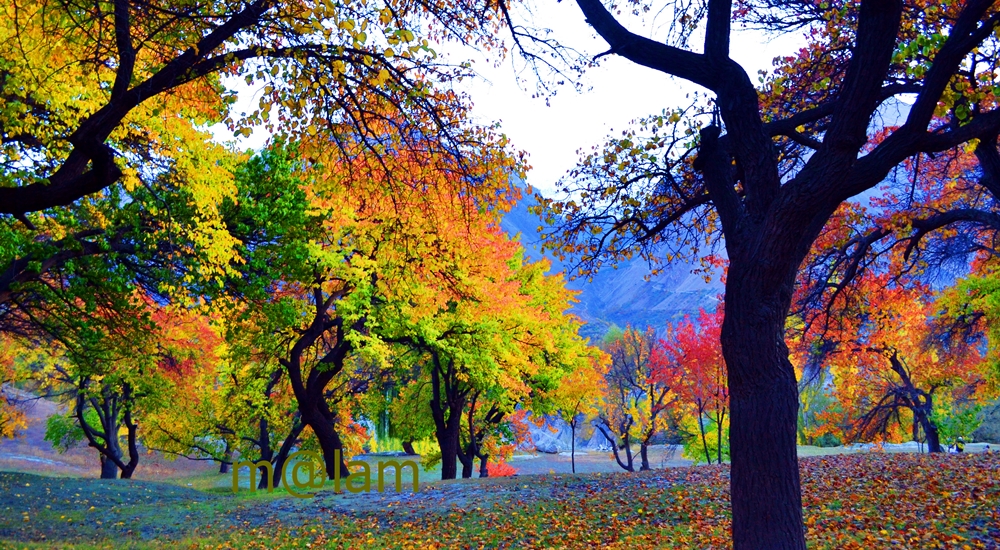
621, 296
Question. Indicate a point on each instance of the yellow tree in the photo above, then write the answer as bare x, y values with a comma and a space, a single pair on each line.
636, 400
578, 396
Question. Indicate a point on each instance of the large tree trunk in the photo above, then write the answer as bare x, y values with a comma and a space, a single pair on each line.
764, 482
447, 404
484, 470
930, 430
321, 421
448, 442
468, 462
109, 470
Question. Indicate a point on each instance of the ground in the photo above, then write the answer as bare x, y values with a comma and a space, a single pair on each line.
861, 500
851, 499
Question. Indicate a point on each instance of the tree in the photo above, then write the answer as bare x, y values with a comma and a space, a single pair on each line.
690, 358
101, 91
349, 256
12, 417
504, 341
889, 356
578, 396
635, 398
767, 174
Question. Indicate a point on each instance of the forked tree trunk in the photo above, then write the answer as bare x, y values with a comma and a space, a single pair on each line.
468, 462
766, 500
704, 440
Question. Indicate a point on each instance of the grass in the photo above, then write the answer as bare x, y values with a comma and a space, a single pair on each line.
859, 500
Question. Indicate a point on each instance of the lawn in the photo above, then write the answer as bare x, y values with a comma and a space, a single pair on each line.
861, 500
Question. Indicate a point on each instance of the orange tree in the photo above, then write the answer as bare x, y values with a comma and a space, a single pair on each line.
578, 397
893, 364
766, 174
92, 94
344, 255
636, 398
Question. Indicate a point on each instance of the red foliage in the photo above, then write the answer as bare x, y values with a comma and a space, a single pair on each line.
500, 469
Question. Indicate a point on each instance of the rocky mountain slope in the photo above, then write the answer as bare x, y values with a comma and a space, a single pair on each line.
622, 296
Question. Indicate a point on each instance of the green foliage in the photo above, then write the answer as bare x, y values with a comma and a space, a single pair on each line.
957, 422
64, 432
694, 447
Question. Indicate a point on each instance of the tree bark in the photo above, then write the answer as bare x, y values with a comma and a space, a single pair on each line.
109, 470
766, 500
447, 404
266, 453
704, 440
720, 420
930, 430
644, 455
468, 462
408, 448
572, 445
449, 454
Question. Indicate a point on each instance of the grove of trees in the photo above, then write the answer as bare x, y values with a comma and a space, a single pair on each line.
176, 293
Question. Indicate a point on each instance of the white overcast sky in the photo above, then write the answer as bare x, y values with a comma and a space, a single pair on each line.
619, 92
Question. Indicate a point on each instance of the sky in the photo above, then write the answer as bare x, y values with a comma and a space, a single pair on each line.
620, 91
615, 93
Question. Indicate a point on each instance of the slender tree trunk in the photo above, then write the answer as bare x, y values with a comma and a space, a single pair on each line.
572, 445
132, 438
704, 440
266, 453
408, 448
484, 470
644, 455
720, 419
279, 458
627, 466
630, 460
764, 480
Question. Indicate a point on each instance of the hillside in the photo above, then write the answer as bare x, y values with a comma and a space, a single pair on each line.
622, 296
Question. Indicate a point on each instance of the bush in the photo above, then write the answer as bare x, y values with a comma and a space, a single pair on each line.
828, 440
500, 469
